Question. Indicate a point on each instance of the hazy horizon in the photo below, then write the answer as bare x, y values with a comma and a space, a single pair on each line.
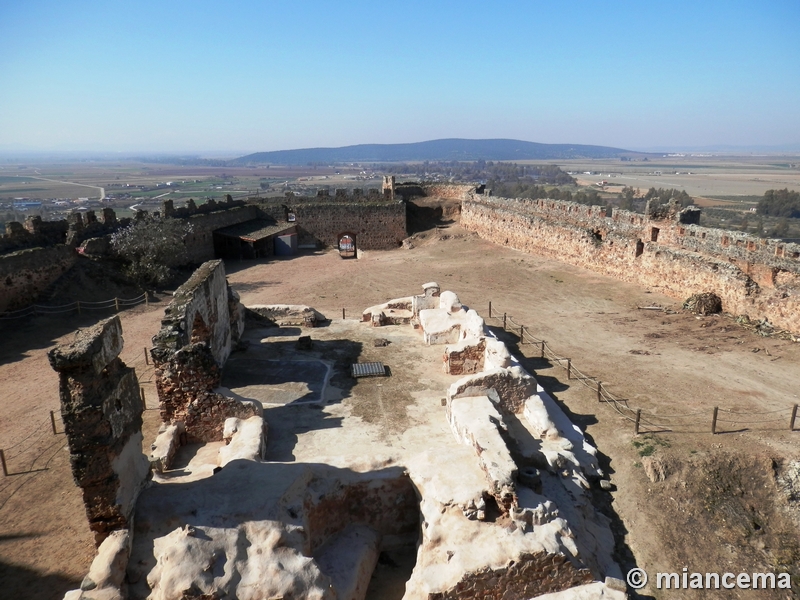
199, 78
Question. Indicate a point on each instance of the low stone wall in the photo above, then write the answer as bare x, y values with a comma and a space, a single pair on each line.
102, 413
758, 278
25, 274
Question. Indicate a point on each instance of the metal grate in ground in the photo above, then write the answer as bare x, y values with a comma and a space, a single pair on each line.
367, 369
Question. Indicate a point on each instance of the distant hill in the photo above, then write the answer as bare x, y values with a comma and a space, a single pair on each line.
449, 149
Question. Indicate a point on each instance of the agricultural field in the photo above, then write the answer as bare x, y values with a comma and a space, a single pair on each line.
711, 180
53, 191
726, 187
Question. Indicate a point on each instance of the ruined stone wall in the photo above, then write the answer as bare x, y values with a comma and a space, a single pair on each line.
378, 224
201, 311
448, 191
102, 413
200, 243
201, 326
26, 273
753, 277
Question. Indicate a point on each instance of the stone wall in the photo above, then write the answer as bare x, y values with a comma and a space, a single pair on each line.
102, 413
754, 277
204, 309
200, 243
377, 222
25, 274
201, 326
448, 191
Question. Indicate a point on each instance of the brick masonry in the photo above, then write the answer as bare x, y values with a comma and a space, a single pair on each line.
201, 326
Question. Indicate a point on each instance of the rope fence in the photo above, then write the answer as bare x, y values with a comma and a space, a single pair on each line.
53, 425
638, 416
77, 306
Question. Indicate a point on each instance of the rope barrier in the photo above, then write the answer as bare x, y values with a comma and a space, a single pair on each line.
77, 305
648, 418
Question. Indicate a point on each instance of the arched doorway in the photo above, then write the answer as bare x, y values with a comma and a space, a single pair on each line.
347, 245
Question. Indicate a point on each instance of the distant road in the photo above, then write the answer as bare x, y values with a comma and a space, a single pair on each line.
94, 187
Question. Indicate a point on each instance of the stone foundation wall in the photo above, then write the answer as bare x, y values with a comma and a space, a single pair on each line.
465, 358
758, 278
25, 274
102, 412
386, 502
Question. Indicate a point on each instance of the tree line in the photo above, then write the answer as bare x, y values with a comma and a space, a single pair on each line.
780, 203
490, 172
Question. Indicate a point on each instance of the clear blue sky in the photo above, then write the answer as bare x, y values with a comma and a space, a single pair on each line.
240, 76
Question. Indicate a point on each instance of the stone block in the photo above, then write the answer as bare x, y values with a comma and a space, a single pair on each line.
166, 445
245, 439
94, 347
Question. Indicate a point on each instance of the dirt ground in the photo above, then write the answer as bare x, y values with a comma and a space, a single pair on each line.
721, 506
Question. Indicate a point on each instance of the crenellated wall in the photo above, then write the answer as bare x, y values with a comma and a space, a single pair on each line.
754, 277
378, 221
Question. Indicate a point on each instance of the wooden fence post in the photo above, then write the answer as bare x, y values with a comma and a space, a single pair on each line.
3, 461
343, 314
146, 298
714, 421
569, 368
504, 321
53, 422
116, 303
146, 358
521, 334
794, 417
490, 309
638, 419
79, 307
543, 343
144, 400
599, 391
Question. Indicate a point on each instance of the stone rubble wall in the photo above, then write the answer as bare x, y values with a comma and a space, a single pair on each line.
201, 311
201, 326
25, 274
102, 412
754, 277
377, 225
465, 357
